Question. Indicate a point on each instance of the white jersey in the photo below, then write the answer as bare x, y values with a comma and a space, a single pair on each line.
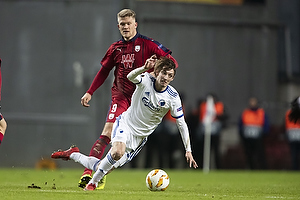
149, 106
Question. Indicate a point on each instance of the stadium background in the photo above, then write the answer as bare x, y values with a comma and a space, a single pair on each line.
51, 51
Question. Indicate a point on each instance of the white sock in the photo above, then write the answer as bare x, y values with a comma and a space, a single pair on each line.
87, 161
105, 165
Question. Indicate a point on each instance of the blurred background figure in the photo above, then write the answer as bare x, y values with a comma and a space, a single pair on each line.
292, 126
294, 115
253, 126
216, 128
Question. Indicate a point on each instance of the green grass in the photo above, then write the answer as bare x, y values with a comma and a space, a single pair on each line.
129, 184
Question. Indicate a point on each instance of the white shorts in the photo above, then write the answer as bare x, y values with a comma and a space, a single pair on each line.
134, 144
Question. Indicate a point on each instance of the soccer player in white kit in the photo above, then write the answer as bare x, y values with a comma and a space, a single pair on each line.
151, 100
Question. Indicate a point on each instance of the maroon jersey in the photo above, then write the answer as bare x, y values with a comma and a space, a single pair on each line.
126, 56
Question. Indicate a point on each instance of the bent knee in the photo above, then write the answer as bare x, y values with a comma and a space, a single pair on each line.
117, 155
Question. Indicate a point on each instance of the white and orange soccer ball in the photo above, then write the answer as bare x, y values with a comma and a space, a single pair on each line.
157, 180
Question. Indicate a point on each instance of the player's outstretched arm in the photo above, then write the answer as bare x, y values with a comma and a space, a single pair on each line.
183, 129
85, 99
190, 159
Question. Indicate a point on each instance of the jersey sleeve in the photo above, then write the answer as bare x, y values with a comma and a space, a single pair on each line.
108, 59
184, 132
107, 65
160, 50
135, 75
176, 108
98, 80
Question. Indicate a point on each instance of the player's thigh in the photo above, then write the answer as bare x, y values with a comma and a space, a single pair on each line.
108, 126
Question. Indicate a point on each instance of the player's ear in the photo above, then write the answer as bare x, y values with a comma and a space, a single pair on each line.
156, 72
136, 25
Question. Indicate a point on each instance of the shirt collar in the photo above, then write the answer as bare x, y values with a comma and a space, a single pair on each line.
132, 39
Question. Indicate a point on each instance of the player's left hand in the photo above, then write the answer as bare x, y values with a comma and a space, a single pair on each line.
190, 159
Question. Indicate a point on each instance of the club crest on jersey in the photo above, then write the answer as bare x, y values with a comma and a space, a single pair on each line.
162, 102
137, 48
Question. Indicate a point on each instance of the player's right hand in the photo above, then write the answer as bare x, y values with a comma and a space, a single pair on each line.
150, 62
85, 99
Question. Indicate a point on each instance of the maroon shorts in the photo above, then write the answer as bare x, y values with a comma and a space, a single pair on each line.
117, 107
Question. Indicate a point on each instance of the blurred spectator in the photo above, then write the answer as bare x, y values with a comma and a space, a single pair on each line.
253, 125
293, 136
216, 128
294, 115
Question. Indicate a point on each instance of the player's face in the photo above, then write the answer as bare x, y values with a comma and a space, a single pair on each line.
127, 27
163, 79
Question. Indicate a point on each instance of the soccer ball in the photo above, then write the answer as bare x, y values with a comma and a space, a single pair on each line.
157, 180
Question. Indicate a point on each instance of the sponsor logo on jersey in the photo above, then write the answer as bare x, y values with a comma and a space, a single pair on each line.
150, 105
128, 60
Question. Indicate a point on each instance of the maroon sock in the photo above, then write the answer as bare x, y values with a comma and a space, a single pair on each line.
98, 150
1, 137
99, 146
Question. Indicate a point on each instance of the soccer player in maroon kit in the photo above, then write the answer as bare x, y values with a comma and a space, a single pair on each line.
3, 124
130, 52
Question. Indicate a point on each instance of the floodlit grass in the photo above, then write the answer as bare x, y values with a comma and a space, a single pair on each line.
129, 184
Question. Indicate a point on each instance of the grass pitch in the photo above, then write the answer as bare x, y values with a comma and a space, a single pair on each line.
129, 184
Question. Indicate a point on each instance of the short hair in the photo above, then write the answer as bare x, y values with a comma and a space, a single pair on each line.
164, 63
126, 13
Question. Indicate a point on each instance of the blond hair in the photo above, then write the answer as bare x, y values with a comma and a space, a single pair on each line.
126, 13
